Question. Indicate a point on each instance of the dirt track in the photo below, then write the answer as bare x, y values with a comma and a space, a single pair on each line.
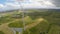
34, 24
4, 27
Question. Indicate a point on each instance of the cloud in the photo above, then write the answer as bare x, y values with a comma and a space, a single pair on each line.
48, 3
35, 4
39, 4
1, 5
55, 2
13, 4
9, 6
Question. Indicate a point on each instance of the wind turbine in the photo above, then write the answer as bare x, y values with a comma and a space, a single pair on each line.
21, 6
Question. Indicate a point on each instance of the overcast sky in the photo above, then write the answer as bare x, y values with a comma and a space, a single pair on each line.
14, 4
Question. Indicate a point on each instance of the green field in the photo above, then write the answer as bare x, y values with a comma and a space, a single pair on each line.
50, 23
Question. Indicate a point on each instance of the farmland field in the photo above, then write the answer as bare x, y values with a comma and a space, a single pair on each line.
39, 21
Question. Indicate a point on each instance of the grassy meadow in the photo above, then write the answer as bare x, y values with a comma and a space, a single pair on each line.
41, 21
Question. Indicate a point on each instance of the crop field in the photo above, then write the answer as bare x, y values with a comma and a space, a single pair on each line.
41, 21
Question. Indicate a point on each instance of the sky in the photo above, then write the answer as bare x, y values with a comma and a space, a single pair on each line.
18, 4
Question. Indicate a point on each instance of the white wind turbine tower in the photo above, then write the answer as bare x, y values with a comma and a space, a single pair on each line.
21, 8
21, 4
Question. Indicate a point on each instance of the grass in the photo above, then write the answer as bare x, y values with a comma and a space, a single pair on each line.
5, 20
28, 20
1, 32
44, 28
17, 32
55, 29
18, 24
41, 28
